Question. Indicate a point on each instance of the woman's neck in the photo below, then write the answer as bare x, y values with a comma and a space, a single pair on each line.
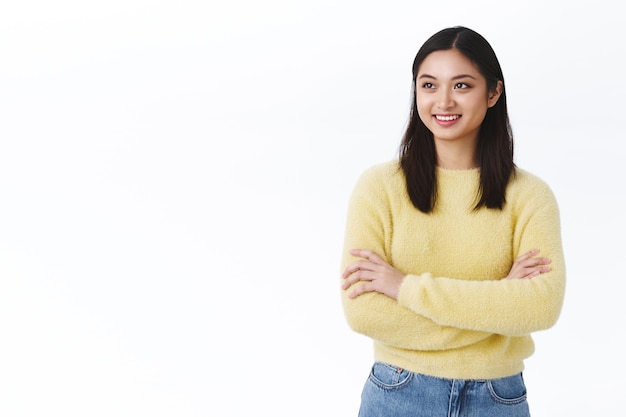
454, 155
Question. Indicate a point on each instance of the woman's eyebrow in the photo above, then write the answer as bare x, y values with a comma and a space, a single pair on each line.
456, 77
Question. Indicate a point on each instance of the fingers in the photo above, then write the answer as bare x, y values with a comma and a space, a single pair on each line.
366, 269
529, 259
367, 254
368, 263
529, 266
527, 255
362, 289
535, 262
358, 271
365, 278
361, 265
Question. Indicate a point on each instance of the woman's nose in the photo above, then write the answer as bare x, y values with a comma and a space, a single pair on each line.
445, 99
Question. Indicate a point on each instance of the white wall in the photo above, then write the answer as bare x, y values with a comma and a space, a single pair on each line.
173, 182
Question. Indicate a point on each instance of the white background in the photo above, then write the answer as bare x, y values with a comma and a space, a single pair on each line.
174, 178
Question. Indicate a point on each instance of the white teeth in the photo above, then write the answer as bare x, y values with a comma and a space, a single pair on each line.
447, 118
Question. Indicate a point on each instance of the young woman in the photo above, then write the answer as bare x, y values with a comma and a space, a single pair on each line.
453, 254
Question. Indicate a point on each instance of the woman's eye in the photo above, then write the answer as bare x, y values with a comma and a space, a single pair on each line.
461, 85
428, 85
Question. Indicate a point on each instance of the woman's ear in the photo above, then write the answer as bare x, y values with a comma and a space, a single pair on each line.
494, 95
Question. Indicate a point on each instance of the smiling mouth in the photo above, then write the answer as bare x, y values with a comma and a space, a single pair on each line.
447, 118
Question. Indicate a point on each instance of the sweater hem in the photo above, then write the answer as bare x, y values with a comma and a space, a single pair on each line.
463, 371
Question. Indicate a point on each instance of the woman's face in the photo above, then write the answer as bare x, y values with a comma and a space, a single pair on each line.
452, 96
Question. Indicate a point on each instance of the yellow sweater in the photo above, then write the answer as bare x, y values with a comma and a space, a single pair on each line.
455, 316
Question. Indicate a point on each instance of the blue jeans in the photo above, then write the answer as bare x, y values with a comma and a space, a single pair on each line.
394, 392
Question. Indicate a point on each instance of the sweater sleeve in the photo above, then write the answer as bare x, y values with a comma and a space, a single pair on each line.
509, 307
369, 225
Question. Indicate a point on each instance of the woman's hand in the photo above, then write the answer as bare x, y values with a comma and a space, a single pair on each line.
376, 275
528, 266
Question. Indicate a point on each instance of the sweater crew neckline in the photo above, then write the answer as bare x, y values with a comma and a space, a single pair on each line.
440, 168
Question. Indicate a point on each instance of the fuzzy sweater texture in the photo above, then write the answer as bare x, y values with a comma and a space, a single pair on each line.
455, 317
